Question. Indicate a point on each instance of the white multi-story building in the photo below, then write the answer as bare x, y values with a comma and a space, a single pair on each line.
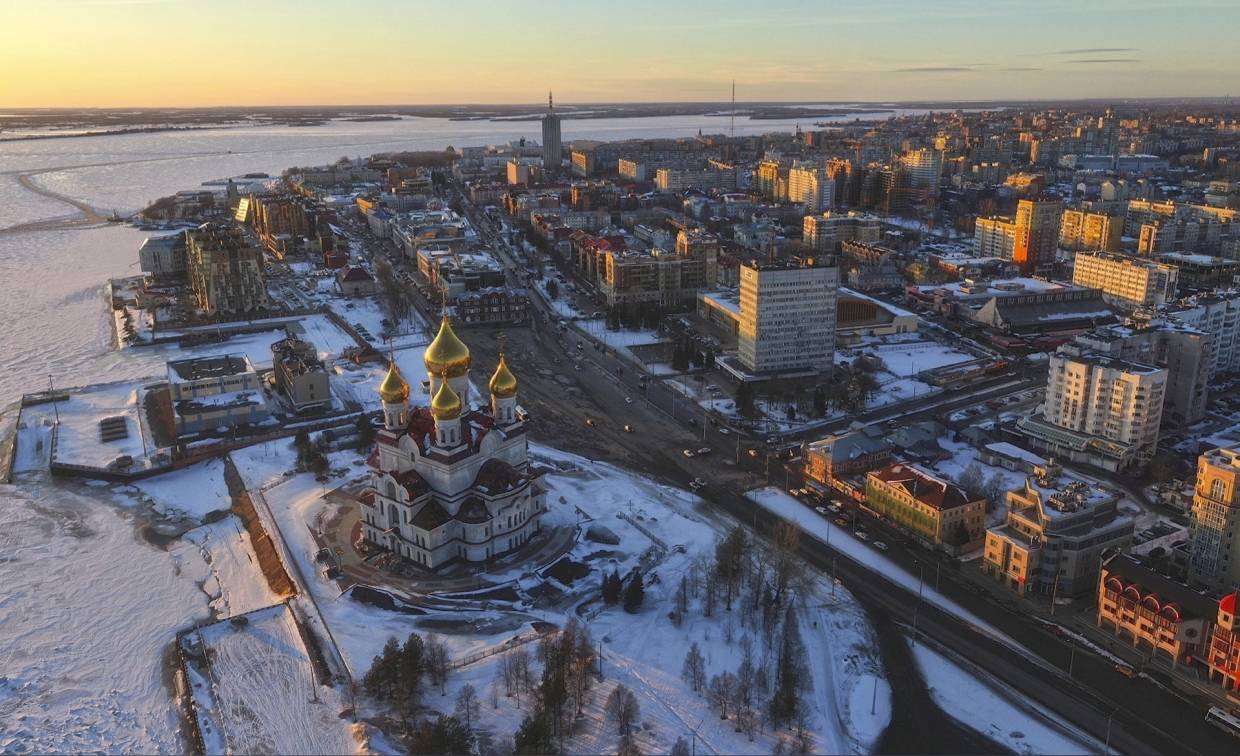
1099, 410
1218, 315
1126, 281
994, 237
1084, 230
787, 316
811, 187
715, 175
449, 482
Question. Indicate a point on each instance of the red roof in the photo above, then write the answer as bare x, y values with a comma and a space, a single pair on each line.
924, 487
1228, 604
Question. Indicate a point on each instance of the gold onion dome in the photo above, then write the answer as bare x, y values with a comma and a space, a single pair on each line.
447, 355
503, 383
445, 405
393, 390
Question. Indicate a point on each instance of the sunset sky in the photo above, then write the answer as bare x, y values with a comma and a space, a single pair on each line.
108, 53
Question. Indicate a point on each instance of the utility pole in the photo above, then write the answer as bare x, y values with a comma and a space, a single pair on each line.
921, 576
1054, 592
1072, 658
1106, 749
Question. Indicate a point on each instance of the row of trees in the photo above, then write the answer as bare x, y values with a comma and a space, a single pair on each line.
615, 591
399, 677
311, 455
567, 680
394, 295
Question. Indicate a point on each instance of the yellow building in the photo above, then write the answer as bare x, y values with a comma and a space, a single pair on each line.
938, 511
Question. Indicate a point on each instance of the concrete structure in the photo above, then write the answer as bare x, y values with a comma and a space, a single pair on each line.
787, 316
933, 509
1099, 410
215, 393
225, 271
300, 375
1213, 548
994, 237
450, 483
552, 149
1081, 230
1126, 281
1151, 611
1056, 529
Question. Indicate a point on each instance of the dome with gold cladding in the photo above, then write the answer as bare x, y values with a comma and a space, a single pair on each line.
446, 404
393, 389
447, 355
503, 383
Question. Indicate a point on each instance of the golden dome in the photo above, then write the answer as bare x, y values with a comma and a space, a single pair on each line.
447, 355
446, 405
503, 383
393, 390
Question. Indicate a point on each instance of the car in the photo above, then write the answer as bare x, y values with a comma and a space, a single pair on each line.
834, 508
704, 451
820, 511
689, 453
725, 432
841, 522
628, 400
628, 428
862, 535
880, 545
754, 453
590, 422
1125, 670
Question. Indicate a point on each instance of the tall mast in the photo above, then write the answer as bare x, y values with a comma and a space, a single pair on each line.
733, 124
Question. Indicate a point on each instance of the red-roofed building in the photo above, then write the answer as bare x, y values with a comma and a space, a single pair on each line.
935, 510
1223, 655
1152, 611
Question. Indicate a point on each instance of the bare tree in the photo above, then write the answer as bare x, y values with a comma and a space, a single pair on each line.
694, 669
721, 690
623, 709
468, 709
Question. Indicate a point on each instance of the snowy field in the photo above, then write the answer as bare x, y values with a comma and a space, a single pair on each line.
88, 614
262, 688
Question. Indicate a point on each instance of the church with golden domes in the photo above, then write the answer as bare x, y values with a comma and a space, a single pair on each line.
449, 482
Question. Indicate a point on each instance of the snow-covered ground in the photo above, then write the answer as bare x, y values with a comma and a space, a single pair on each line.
263, 697
88, 614
995, 712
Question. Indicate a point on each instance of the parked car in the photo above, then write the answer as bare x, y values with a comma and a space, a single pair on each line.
703, 451
628, 428
755, 453
820, 511
724, 432
880, 545
689, 453
589, 422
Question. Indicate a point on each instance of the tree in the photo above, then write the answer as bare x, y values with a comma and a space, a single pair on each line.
365, 433
634, 594
730, 560
380, 680
790, 673
820, 402
790, 412
623, 709
787, 556
995, 489
694, 669
613, 586
445, 735
468, 708
722, 688
680, 747
972, 479
744, 400
408, 683
534, 734
553, 289
437, 661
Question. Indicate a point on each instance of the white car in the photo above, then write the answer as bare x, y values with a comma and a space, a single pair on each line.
820, 511
880, 545
689, 453
724, 432
628, 400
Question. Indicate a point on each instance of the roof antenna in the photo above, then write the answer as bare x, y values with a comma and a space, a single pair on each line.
733, 109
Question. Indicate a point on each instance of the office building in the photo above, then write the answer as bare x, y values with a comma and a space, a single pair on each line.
225, 270
211, 394
553, 150
1098, 410
1055, 531
1213, 546
1125, 281
787, 316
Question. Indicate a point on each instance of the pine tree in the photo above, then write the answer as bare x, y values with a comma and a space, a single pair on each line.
635, 594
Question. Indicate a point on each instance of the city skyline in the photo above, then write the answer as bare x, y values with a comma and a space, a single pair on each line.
97, 53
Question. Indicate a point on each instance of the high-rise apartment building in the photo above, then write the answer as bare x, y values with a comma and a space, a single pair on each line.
811, 188
826, 232
994, 237
1037, 232
1126, 281
1213, 546
716, 174
225, 270
1098, 409
553, 150
787, 316
925, 168
1081, 230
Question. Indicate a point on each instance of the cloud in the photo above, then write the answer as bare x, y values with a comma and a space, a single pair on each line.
1092, 61
1093, 50
932, 69
1021, 68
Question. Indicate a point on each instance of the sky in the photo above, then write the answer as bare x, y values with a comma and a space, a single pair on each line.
186, 53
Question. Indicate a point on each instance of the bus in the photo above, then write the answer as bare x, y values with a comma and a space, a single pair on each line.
1224, 720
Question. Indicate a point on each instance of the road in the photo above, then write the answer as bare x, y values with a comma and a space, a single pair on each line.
1136, 715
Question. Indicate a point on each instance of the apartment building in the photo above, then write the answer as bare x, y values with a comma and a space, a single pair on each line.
826, 232
1055, 531
811, 188
994, 237
933, 509
1213, 548
1125, 281
1219, 316
925, 168
716, 174
787, 316
225, 270
1166, 227
1037, 232
1099, 410
300, 374
669, 279
1081, 230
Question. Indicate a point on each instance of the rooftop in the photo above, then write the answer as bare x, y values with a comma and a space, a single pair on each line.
921, 485
199, 368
